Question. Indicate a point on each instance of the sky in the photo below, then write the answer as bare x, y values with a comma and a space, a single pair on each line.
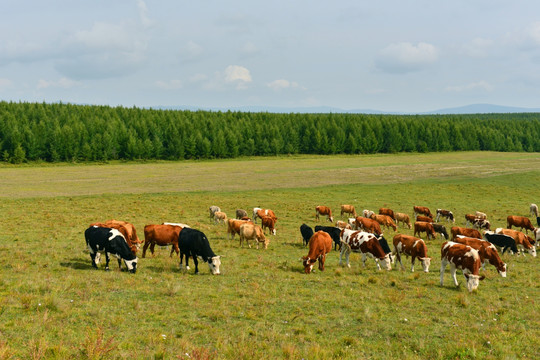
388, 55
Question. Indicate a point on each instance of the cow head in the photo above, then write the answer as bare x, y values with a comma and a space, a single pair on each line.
426, 261
532, 250
386, 262
308, 264
473, 281
503, 270
214, 263
131, 265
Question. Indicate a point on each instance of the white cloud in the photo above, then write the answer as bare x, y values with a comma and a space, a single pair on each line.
238, 75
280, 84
478, 47
481, 85
143, 14
5, 83
405, 57
169, 85
64, 83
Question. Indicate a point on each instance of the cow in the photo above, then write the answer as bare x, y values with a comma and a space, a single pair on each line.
534, 210
469, 219
352, 223
388, 212
487, 252
220, 216
124, 231
502, 241
463, 257
368, 225
194, 243
212, 210
307, 233
404, 218
270, 223
384, 220
456, 230
413, 247
519, 221
348, 209
481, 224
176, 224
385, 247
447, 214
440, 229
367, 244
241, 213
422, 210
422, 226
522, 241
367, 213
253, 232
109, 241
323, 210
132, 239
480, 215
334, 233
343, 225
162, 235
424, 218
320, 244
536, 233
233, 227
259, 213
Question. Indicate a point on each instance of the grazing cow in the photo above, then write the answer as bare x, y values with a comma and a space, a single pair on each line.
447, 214
413, 247
233, 227
270, 223
367, 244
523, 242
487, 251
385, 247
212, 210
220, 216
307, 233
388, 212
480, 215
422, 210
456, 230
241, 213
132, 239
323, 210
348, 209
422, 226
320, 244
502, 241
368, 225
334, 233
260, 213
162, 235
424, 218
536, 233
343, 225
194, 243
534, 210
481, 224
469, 219
463, 257
404, 218
440, 229
519, 221
352, 223
367, 213
252, 232
384, 220
176, 224
124, 231
109, 241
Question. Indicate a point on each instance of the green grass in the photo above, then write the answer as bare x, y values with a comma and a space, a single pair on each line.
54, 305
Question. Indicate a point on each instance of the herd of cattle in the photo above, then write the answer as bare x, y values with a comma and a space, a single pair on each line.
467, 249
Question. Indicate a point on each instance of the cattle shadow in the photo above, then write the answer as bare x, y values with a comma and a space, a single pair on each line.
77, 264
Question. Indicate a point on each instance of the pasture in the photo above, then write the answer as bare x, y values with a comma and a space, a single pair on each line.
54, 305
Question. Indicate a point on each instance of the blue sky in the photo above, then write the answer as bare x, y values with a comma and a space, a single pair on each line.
389, 55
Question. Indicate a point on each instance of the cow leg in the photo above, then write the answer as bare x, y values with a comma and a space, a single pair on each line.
364, 258
453, 272
377, 263
398, 257
93, 257
346, 250
443, 266
146, 243
152, 246
412, 263
107, 259
196, 262
322, 258
119, 263
175, 249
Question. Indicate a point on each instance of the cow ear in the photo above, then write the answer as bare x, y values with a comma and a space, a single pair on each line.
467, 276
482, 277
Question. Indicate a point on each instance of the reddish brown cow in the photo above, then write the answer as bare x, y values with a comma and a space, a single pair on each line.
368, 225
132, 233
367, 244
134, 247
161, 235
424, 218
519, 221
422, 210
469, 219
523, 242
447, 214
388, 212
463, 257
413, 247
320, 244
259, 213
384, 220
233, 227
473, 233
422, 226
487, 252
348, 209
404, 218
323, 210
270, 223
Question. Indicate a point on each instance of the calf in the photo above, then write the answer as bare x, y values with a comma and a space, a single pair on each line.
348, 209
253, 232
447, 214
109, 241
404, 218
194, 243
384, 220
422, 226
324, 210
463, 257
456, 230
162, 235
519, 221
481, 224
241, 213
343, 225
368, 225
502, 241
487, 252
413, 247
422, 210
212, 210
367, 244
334, 233
269, 223
534, 210
320, 244
522, 241
220, 216
233, 227
388, 212
307, 233
440, 229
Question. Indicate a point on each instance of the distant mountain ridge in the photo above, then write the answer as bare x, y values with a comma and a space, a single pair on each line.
467, 109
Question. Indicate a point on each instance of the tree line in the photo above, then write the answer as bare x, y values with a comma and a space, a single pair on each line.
66, 132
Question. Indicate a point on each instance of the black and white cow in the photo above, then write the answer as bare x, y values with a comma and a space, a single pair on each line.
481, 224
502, 241
307, 233
194, 243
447, 214
441, 229
334, 233
109, 241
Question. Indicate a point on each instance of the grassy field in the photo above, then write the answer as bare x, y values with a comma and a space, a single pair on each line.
54, 305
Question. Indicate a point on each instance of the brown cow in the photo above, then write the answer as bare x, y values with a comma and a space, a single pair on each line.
422, 226
348, 209
404, 218
388, 212
487, 251
368, 225
424, 218
134, 247
519, 221
259, 213
469, 219
343, 225
384, 220
522, 241
323, 210
233, 227
463, 257
162, 235
320, 244
413, 247
250, 231
270, 223
132, 233
220, 216
447, 214
241, 213
367, 244
473, 233
422, 210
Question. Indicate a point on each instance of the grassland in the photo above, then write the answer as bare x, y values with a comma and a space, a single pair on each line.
54, 305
